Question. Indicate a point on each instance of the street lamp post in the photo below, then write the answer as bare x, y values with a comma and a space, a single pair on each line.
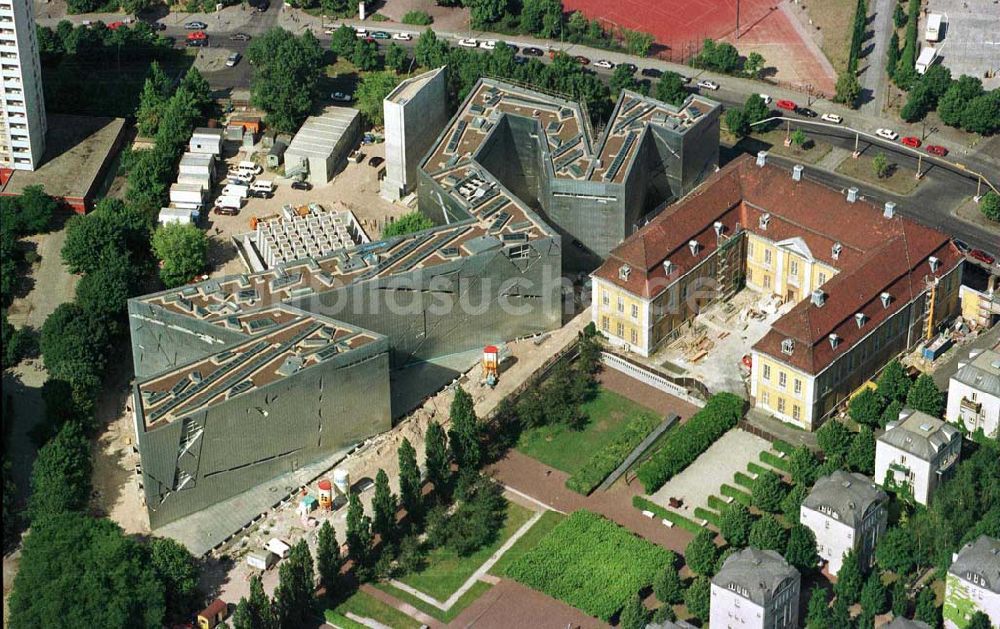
857, 141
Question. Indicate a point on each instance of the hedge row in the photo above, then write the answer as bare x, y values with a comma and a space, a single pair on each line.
711, 516
608, 458
744, 480
909, 55
679, 520
736, 494
717, 503
771, 459
857, 36
590, 563
783, 446
686, 442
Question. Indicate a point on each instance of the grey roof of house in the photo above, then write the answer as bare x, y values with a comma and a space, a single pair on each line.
981, 557
900, 622
318, 136
982, 373
920, 434
758, 572
848, 494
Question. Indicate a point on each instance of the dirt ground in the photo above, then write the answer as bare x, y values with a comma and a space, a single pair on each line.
510, 604
445, 18
829, 23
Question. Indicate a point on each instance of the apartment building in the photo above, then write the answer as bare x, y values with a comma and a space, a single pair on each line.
917, 452
973, 583
974, 394
755, 589
866, 283
845, 511
22, 127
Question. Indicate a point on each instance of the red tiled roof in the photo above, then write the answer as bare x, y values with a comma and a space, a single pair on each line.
877, 254
214, 608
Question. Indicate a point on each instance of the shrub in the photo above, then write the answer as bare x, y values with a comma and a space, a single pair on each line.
685, 443
771, 459
407, 224
736, 494
419, 18
590, 563
605, 460
989, 205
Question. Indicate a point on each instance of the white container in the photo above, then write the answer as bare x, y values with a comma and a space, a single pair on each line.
342, 480
926, 59
933, 32
278, 547
262, 560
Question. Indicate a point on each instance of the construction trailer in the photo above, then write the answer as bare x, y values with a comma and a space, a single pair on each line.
206, 140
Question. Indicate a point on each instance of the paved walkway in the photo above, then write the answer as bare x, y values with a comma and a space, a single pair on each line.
510, 604
874, 80
482, 570
405, 608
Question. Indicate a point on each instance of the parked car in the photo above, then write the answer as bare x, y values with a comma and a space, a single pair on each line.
787, 105
361, 32
887, 134
805, 111
582, 60
834, 118
301, 185
488, 44
935, 149
652, 73
364, 484
340, 97
197, 35
961, 245
402, 36
531, 51
468, 43
239, 37
195, 26
226, 211
604, 63
630, 66
514, 49
376, 161
708, 85
233, 59
196, 43
911, 142
766, 98
381, 35
519, 60
982, 256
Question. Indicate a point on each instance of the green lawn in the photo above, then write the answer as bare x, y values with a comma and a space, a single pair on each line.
446, 571
568, 450
367, 606
478, 589
529, 540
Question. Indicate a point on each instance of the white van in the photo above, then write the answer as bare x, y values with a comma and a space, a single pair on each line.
278, 547
240, 178
265, 187
229, 203
249, 168
235, 190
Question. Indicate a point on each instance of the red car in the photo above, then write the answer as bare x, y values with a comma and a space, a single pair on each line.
934, 149
982, 256
114, 25
911, 142
787, 105
582, 60
197, 35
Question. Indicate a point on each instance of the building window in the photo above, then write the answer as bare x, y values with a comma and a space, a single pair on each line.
793, 267
635, 337
767, 281
749, 274
635, 311
621, 305
765, 398
796, 412
781, 405
782, 379
604, 323
798, 387
822, 279
605, 299
750, 249
620, 330
767, 372
767, 256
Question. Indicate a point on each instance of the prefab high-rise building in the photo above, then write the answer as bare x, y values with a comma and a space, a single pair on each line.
22, 127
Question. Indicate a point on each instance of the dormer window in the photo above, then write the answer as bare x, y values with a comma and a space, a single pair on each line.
860, 318
668, 267
835, 251
834, 341
719, 227
623, 272
934, 264
693, 244
886, 299
787, 346
818, 298
762, 222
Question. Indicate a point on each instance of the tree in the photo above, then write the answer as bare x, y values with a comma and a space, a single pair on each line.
412, 557
637, 43
737, 123
892, 55
982, 114
436, 460
241, 618
989, 205
818, 611
866, 407
768, 491
60, 475
849, 578
925, 396
410, 496
430, 52
92, 241
918, 102
342, 41
802, 466
755, 109
697, 598
328, 559
754, 65
154, 96
861, 456
197, 86
700, 553
798, 138
801, 548
260, 608
366, 55
880, 165
895, 551
834, 438
396, 59
768, 534
286, 73
407, 224
485, 12
78, 571
670, 88
383, 508
149, 173
667, 585
176, 125
293, 598
840, 614
370, 93
105, 291
622, 79
848, 89
960, 93
31, 212
183, 251
634, 614
735, 524
465, 432
900, 598
873, 600
792, 502
478, 518
979, 620
927, 609
175, 568
359, 534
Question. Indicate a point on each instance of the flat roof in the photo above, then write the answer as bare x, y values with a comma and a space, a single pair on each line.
318, 136
409, 87
76, 149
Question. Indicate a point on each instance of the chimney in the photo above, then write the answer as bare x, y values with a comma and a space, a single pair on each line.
624, 271
860, 318
719, 227
886, 299
818, 298
762, 221
797, 172
852, 194
693, 244
890, 209
834, 341
935, 263
835, 251
761, 158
